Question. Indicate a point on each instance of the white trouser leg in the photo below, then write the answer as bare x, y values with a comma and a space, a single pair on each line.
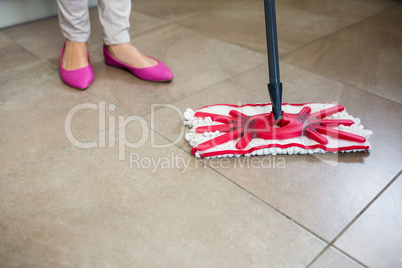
114, 16
74, 20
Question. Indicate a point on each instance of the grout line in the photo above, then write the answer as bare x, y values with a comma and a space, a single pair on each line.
73, 146
166, 23
366, 207
22, 66
344, 253
189, 14
341, 82
30, 51
271, 206
51, 64
28, 22
133, 9
217, 83
65, 150
222, 40
338, 30
36, 163
353, 221
110, 102
319, 255
349, 256
184, 17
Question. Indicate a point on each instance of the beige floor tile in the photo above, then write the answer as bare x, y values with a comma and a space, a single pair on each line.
388, 20
197, 62
34, 104
141, 22
367, 55
323, 192
86, 207
375, 238
298, 22
332, 258
177, 9
5, 41
42, 37
13, 55
239, 23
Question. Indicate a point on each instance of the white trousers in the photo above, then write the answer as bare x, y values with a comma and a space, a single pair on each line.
113, 14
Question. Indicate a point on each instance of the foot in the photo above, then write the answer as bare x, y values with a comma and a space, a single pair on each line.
75, 55
129, 55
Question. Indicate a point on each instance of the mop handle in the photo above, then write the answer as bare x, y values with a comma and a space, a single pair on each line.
275, 85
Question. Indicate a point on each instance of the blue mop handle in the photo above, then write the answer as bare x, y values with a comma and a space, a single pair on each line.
275, 85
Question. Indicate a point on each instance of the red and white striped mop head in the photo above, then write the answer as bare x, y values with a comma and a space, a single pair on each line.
225, 130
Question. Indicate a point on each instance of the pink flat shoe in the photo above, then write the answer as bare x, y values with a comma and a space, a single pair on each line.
157, 73
80, 78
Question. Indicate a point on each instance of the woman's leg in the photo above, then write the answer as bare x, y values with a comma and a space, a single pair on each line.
75, 27
115, 19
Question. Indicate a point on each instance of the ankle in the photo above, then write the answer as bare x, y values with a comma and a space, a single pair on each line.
75, 55
116, 49
130, 55
76, 44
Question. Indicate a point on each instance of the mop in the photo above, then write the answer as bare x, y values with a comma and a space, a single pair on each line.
224, 130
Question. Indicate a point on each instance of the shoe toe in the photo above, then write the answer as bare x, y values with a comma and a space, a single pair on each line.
163, 74
157, 73
80, 79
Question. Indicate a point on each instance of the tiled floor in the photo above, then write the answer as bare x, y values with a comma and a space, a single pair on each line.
86, 184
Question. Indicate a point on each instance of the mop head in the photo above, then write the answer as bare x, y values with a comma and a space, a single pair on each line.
225, 130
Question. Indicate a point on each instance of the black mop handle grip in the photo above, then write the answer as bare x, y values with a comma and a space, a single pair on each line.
275, 85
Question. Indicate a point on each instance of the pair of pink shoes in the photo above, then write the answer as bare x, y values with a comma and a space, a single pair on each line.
82, 78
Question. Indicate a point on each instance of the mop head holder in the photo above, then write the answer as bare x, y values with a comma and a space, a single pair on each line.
225, 130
